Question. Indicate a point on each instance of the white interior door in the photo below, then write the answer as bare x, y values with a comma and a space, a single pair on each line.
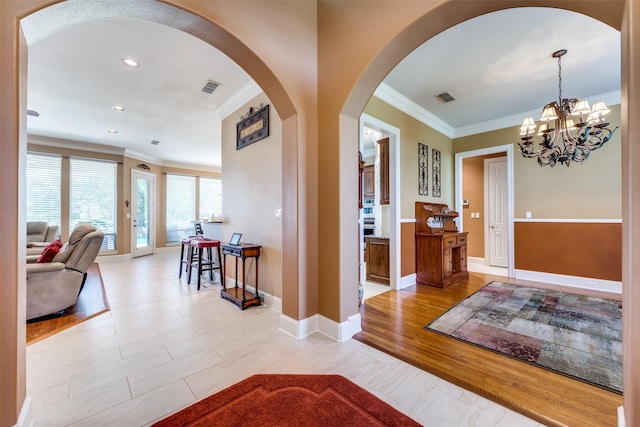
142, 213
497, 211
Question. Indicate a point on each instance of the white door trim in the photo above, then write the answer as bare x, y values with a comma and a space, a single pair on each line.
508, 148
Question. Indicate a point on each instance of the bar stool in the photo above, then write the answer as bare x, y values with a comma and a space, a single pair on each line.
207, 264
190, 253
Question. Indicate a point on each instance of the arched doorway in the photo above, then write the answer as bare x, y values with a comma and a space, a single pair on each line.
372, 69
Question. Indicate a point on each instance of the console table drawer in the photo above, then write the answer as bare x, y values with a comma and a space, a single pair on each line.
450, 241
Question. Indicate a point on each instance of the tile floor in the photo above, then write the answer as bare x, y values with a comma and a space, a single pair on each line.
165, 345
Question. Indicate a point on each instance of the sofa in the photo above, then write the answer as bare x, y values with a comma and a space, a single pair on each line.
39, 235
55, 285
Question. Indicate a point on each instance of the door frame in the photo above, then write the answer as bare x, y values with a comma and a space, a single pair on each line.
508, 149
152, 215
395, 281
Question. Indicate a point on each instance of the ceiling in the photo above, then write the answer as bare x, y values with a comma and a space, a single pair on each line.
498, 67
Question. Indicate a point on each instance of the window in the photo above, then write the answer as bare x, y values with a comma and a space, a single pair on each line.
43, 193
181, 206
210, 198
92, 197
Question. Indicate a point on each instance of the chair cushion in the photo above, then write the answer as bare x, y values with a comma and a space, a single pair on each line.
50, 251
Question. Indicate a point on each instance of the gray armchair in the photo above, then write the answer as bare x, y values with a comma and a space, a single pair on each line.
54, 286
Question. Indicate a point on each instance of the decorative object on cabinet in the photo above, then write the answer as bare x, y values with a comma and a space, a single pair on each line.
252, 127
423, 169
360, 178
377, 256
384, 170
435, 160
441, 251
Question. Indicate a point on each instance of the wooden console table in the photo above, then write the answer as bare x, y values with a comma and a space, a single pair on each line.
239, 295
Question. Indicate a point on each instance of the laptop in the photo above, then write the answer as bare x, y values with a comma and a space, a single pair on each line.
235, 239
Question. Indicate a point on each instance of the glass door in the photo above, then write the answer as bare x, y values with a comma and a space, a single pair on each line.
142, 213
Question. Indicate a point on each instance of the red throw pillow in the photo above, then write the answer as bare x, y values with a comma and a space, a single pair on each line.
50, 251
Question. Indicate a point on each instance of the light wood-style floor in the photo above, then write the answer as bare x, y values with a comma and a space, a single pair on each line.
394, 322
164, 345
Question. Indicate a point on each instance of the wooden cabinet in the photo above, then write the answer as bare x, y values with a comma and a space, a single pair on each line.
377, 258
441, 251
384, 171
368, 182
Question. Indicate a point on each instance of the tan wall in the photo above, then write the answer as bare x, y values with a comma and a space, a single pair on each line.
412, 132
592, 190
252, 191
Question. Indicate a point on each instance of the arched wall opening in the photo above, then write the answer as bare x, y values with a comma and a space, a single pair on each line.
399, 42
52, 16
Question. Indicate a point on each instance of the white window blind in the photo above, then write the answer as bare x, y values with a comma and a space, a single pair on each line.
181, 207
210, 197
43, 187
93, 197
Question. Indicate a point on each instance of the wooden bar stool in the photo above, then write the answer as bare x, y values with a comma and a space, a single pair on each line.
202, 264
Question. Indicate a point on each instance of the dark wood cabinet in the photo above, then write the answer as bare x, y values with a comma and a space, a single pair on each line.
377, 259
368, 182
384, 171
441, 251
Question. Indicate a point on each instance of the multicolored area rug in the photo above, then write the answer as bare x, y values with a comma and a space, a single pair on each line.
574, 335
290, 400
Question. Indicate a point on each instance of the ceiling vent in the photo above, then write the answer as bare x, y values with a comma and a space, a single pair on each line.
445, 97
33, 113
210, 87
155, 142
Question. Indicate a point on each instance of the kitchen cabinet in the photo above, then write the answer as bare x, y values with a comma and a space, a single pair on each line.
441, 251
368, 182
377, 258
384, 171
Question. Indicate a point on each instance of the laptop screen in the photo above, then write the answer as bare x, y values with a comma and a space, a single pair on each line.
235, 238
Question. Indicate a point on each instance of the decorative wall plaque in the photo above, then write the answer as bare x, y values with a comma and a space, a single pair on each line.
423, 169
435, 160
253, 127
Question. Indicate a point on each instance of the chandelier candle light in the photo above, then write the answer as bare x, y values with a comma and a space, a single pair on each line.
564, 141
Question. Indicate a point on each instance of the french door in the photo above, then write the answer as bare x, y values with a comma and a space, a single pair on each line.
142, 213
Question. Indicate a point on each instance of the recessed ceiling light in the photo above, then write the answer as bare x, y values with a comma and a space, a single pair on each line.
131, 63
112, 131
117, 108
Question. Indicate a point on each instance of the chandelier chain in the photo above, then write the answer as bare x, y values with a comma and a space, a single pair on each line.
559, 81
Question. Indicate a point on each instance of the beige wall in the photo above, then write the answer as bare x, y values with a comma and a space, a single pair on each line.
591, 190
252, 191
412, 132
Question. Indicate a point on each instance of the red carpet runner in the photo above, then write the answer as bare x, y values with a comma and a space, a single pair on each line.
290, 400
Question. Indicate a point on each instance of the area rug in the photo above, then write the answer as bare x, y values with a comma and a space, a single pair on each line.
575, 335
92, 301
290, 400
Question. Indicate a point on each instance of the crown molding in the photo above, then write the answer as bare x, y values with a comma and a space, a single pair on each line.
404, 104
71, 144
238, 99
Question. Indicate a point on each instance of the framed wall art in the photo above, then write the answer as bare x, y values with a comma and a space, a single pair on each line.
423, 169
435, 161
252, 127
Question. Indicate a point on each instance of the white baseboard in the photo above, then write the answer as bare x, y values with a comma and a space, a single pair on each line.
571, 281
25, 418
340, 332
621, 422
406, 281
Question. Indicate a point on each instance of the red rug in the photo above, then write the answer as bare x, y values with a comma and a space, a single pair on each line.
290, 400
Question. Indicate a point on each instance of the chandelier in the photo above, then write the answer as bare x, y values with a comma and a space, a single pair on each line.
564, 141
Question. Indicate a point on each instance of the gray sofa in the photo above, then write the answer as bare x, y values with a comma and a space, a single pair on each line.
39, 235
54, 286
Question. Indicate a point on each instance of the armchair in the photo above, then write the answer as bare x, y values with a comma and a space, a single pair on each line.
39, 235
54, 286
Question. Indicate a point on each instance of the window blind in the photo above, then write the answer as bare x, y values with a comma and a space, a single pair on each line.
43, 188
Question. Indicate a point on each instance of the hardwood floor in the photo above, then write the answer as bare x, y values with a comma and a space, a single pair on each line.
394, 323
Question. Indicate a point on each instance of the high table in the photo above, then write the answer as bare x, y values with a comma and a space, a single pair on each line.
239, 295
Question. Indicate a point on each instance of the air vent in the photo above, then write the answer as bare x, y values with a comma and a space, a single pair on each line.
210, 87
155, 142
445, 97
33, 113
